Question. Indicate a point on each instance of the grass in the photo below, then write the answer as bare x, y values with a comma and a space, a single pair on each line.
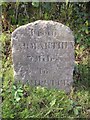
23, 101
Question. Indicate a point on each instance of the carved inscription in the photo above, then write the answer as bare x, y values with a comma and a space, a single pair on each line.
47, 45
40, 58
52, 82
41, 32
43, 71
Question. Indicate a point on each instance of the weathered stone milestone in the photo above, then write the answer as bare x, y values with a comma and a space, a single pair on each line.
43, 54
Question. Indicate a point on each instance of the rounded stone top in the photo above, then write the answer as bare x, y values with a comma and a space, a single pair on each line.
45, 24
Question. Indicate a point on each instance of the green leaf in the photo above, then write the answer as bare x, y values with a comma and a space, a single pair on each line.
14, 87
67, 1
19, 90
15, 94
87, 32
35, 3
46, 16
52, 103
20, 94
17, 98
76, 111
47, 6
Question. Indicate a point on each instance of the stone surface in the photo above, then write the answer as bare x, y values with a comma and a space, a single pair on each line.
43, 54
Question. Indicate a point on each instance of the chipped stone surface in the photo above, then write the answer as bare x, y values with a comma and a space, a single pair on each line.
43, 54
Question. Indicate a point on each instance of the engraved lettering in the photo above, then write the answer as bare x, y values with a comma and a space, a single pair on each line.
59, 45
43, 71
27, 46
32, 32
36, 58
64, 82
58, 82
31, 82
45, 81
62, 45
35, 82
40, 71
43, 59
54, 34
40, 32
45, 45
53, 45
41, 45
48, 45
52, 82
24, 44
33, 45
47, 57
30, 58
65, 44
48, 32
72, 44
39, 58
51, 59
39, 82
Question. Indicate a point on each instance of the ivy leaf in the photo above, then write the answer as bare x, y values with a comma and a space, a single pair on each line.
35, 3
47, 6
